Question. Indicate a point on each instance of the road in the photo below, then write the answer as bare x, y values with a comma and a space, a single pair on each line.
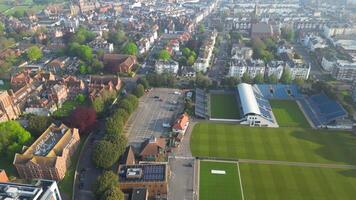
316, 70
218, 69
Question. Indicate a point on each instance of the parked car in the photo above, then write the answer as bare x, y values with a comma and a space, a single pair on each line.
166, 125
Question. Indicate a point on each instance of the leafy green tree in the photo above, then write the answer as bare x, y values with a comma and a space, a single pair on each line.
186, 52
164, 55
139, 91
130, 48
34, 53
259, 78
126, 105
133, 100
287, 34
202, 81
82, 36
246, 78
83, 69
121, 113
80, 98
104, 154
201, 28
114, 125
12, 138
273, 79
230, 82
143, 81
19, 14
236, 36
97, 65
38, 124
119, 141
113, 193
98, 104
105, 181
286, 76
117, 37
299, 81
191, 60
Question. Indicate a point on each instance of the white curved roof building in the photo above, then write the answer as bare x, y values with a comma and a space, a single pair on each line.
256, 109
248, 99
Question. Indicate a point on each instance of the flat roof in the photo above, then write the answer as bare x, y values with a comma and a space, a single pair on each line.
143, 173
19, 191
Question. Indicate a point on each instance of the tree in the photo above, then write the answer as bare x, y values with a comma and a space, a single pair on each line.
119, 141
139, 91
201, 28
143, 81
230, 82
236, 36
186, 52
259, 78
121, 113
114, 125
12, 138
38, 124
83, 118
191, 60
126, 105
299, 81
105, 182
104, 154
286, 76
98, 104
202, 81
117, 37
113, 193
246, 78
130, 48
133, 100
287, 34
80, 98
164, 55
34, 53
83, 69
273, 79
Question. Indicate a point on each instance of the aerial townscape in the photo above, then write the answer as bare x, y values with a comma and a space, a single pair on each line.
177, 99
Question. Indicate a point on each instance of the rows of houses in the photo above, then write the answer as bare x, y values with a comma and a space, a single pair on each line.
242, 63
205, 53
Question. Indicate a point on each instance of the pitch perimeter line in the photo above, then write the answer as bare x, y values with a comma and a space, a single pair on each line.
242, 190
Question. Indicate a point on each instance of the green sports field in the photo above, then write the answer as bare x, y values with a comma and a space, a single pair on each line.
224, 106
284, 144
276, 182
288, 114
214, 187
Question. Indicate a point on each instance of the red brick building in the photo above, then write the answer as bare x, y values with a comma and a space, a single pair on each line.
119, 63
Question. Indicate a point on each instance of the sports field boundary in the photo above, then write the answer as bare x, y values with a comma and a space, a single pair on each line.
277, 162
240, 179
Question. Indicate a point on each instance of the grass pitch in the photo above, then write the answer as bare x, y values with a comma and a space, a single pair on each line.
276, 182
288, 114
217, 187
284, 144
224, 106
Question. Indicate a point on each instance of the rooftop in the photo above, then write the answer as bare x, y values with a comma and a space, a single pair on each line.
41, 188
143, 173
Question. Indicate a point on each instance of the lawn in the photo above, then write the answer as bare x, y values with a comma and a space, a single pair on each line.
224, 106
285, 144
35, 8
66, 185
276, 182
214, 187
66, 108
288, 114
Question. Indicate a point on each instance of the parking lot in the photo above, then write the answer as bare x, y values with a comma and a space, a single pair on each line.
159, 106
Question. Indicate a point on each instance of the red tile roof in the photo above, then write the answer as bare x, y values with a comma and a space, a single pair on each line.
181, 121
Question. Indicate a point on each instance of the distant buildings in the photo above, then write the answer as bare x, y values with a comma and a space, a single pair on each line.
50, 155
169, 66
344, 70
8, 110
262, 30
153, 149
205, 54
152, 176
39, 190
100, 84
119, 63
